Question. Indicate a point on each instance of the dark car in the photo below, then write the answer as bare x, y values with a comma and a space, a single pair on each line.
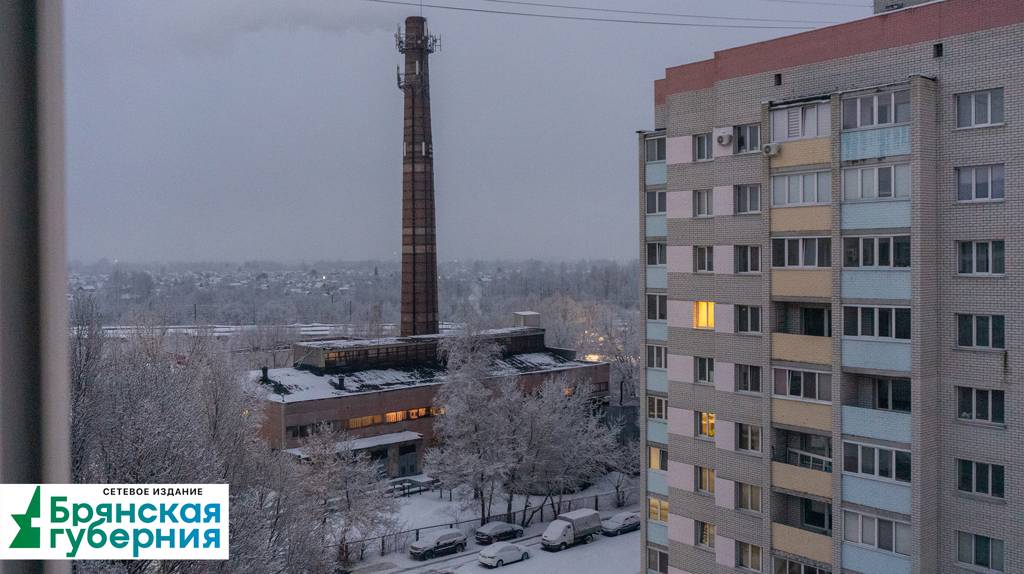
495, 531
451, 542
621, 523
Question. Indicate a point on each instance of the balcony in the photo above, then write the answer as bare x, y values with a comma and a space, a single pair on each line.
861, 559
657, 431
657, 330
803, 414
802, 462
657, 277
881, 354
803, 152
802, 348
800, 542
875, 143
807, 218
655, 226
887, 495
806, 283
657, 532
799, 479
876, 214
876, 284
657, 380
877, 424
657, 482
655, 173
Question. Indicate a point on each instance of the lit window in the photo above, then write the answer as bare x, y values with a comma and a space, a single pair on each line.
657, 509
705, 480
705, 535
749, 497
657, 459
703, 315
748, 556
395, 416
706, 424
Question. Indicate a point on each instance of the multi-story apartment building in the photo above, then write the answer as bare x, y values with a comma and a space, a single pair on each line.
834, 287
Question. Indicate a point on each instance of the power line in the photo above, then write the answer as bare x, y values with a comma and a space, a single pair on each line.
586, 18
670, 14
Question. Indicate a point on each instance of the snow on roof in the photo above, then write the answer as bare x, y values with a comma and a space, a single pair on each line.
386, 341
370, 441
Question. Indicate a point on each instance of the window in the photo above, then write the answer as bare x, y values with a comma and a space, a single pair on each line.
981, 331
876, 461
703, 315
980, 405
984, 108
748, 198
748, 437
705, 370
704, 258
803, 384
657, 307
656, 202
705, 479
876, 182
657, 458
806, 121
657, 561
702, 203
980, 551
748, 258
877, 532
655, 149
748, 378
876, 109
802, 252
815, 321
784, 566
892, 394
747, 138
702, 147
657, 509
657, 356
814, 452
811, 188
395, 416
881, 322
657, 408
748, 319
980, 183
361, 422
876, 252
817, 515
980, 257
981, 478
705, 534
705, 424
657, 254
748, 497
748, 556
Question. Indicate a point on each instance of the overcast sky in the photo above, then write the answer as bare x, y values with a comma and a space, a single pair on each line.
256, 129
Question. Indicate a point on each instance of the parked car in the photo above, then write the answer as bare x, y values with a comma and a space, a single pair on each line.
620, 524
502, 553
451, 542
571, 528
495, 531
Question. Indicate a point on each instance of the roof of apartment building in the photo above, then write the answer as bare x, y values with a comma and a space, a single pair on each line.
338, 344
911, 25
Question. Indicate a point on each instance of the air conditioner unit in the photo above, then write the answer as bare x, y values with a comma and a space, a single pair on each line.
724, 139
771, 149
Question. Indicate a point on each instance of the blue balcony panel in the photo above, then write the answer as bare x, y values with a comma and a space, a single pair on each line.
657, 380
877, 424
876, 214
657, 532
657, 482
879, 142
657, 431
655, 226
861, 559
656, 173
880, 494
876, 354
876, 284
657, 330
657, 277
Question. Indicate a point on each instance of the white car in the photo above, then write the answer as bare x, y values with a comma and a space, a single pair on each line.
621, 523
501, 553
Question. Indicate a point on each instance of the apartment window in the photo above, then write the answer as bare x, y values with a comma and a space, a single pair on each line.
876, 182
980, 405
979, 550
705, 480
657, 307
981, 331
705, 369
748, 319
655, 149
657, 561
748, 198
976, 109
876, 461
892, 394
802, 252
657, 356
981, 478
361, 422
748, 258
784, 566
980, 257
395, 416
748, 497
876, 110
657, 408
702, 147
748, 437
657, 509
748, 556
880, 322
747, 138
815, 453
657, 458
705, 534
811, 188
876, 252
803, 384
703, 315
806, 121
656, 202
657, 254
980, 183
817, 515
748, 378
880, 533
702, 203
704, 258
705, 424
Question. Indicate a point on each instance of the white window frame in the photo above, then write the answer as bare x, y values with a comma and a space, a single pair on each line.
877, 324
658, 406
707, 365
886, 386
752, 313
974, 464
877, 454
745, 556
660, 306
821, 197
752, 430
662, 512
655, 456
896, 171
702, 142
974, 111
974, 331
660, 202
993, 542
751, 490
659, 559
990, 258
659, 354
745, 130
801, 264
660, 253
856, 535
804, 568
991, 169
890, 99
801, 114
699, 418
703, 258
752, 257
745, 195
703, 203
876, 248
699, 528
750, 370
990, 402
704, 479
659, 149
818, 385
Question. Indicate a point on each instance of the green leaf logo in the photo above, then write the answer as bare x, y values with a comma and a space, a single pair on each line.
28, 535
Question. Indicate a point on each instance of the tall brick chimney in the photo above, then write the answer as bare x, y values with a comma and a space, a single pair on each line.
419, 243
